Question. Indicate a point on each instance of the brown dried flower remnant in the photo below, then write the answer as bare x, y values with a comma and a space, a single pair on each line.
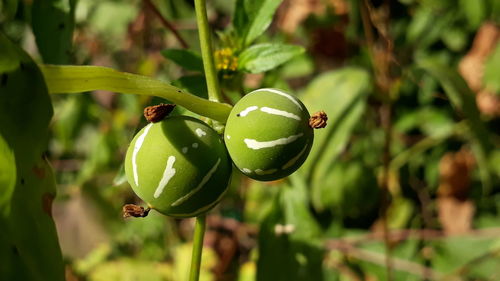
318, 120
131, 210
156, 113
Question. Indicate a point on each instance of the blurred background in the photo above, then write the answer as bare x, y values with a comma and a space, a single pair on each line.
403, 183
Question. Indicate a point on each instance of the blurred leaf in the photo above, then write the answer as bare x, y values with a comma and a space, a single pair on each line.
240, 18
463, 255
53, 22
492, 71
29, 248
184, 58
131, 270
70, 116
342, 95
345, 189
475, 12
455, 39
9, 8
194, 84
463, 100
289, 248
255, 19
182, 263
7, 176
263, 57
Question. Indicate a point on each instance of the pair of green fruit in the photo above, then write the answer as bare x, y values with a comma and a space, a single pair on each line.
180, 166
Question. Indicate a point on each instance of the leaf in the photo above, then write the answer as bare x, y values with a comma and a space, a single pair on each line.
342, 95
29, 248
289, 248
259, 16
7, 175
240, 17
462, 99
184, 58
475, 12
53, 23
263, 57
492, 71
8, 8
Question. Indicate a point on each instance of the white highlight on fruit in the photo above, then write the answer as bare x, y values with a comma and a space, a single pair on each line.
167, 175
280, 113
265, 172
185, 150
205, 179
200, 132
195, 145
294, 159
137, 147
248, 110
228, 137
254, 144
278, 92
246, 170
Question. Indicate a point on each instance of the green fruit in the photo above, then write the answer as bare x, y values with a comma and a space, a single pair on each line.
179, 166
268, 135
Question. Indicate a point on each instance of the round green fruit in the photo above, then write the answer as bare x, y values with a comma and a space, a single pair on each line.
268, 135
179, 166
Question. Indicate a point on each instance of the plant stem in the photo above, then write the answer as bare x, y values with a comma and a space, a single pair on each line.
77, 79
199, 233
207, 54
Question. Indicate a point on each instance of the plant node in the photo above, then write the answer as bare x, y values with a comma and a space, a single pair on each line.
131, 210
156, 113
318, 120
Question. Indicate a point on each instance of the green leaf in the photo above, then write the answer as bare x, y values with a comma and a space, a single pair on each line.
342, 95
491, 76
475, 12
7, 175
53, 22
263, 57
29, 248
184, 58
259, 14
8, 8
462, 99
240, 18
289, 248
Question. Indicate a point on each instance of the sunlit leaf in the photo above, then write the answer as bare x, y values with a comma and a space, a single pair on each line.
260, 15
263, 57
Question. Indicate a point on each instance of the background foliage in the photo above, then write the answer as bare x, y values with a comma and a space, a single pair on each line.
403, 184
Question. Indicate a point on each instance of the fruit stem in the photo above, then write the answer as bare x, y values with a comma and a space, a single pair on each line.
199, 233
214, 93
65, 79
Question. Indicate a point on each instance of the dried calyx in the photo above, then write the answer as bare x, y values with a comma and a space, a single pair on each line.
156, 113
318, 120
131, 210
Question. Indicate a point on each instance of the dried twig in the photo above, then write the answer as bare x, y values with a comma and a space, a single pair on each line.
166, 23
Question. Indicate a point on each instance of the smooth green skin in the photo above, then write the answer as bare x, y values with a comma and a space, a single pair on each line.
262, 127
165, 139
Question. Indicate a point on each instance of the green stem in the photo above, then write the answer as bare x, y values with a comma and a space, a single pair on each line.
77, 79
199, 233
214, 92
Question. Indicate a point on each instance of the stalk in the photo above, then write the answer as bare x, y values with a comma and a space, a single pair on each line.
207, 53
77, 79
199, 233
214, 94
